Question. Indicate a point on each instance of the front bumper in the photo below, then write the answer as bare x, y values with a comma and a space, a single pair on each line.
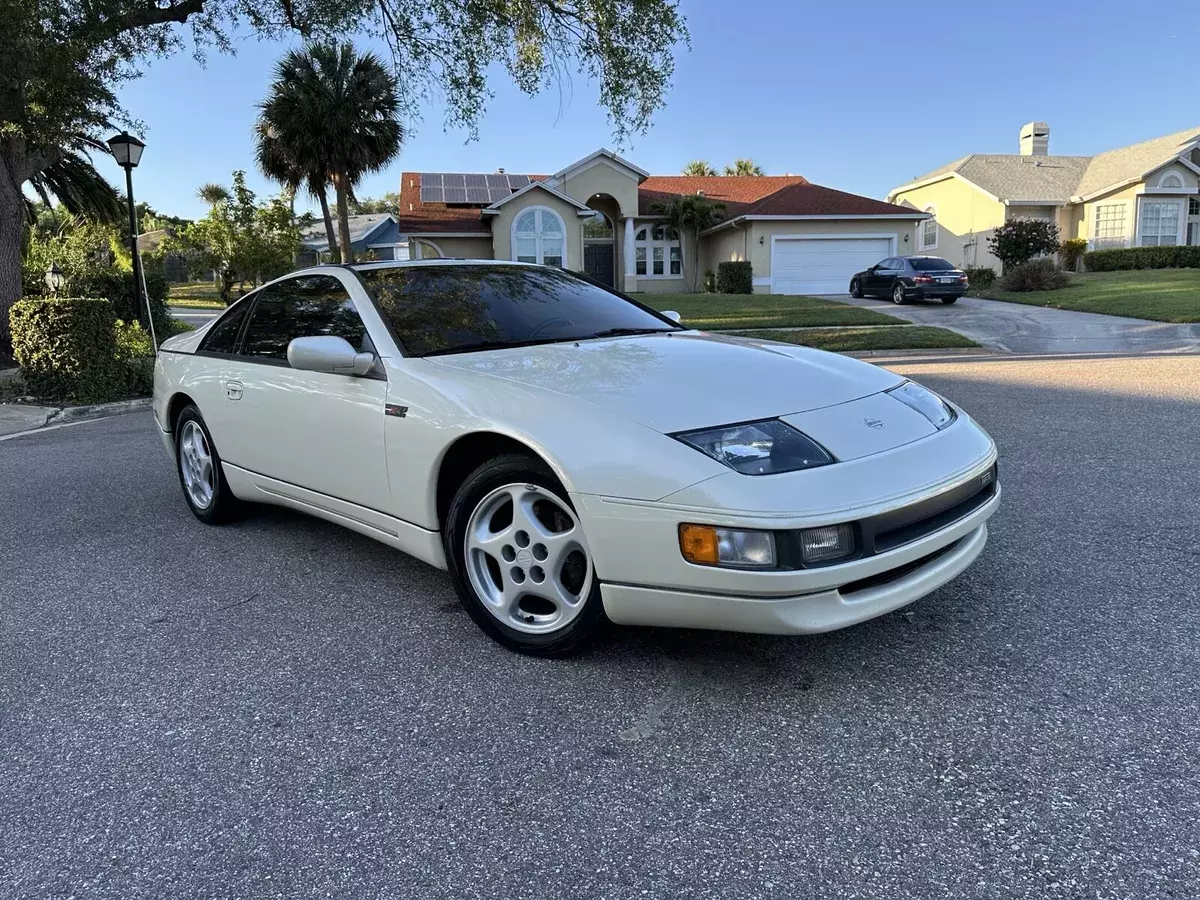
804, 614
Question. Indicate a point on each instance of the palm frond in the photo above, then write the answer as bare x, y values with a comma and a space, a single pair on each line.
81, 190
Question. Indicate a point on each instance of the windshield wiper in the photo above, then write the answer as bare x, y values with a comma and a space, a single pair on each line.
622, 332
494, 345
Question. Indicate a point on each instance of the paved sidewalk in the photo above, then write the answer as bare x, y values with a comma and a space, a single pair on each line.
16, 417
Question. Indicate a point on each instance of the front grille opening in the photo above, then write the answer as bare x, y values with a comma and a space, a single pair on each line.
891, 575
906, 534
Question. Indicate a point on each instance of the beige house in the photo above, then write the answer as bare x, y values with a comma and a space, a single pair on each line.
599, 215
1144, 195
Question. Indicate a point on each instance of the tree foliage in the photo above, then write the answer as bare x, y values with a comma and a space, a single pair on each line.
1020, 240
388, 203
330, 115
241, 239
688, 215
699, 168
743, 167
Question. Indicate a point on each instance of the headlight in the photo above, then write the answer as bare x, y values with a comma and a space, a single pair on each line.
759, 448
926, 402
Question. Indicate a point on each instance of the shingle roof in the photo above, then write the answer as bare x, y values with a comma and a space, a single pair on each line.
809, 199
1130, 162
313, 236
737, 192
1010, 176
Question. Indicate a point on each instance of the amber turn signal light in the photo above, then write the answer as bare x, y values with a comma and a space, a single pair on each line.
698, 544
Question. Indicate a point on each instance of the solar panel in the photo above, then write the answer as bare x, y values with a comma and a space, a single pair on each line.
456, 195
478, 195
496, 181
516, 182
431, 179
476, 181
453, 180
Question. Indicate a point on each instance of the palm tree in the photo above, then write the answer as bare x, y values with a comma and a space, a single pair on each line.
277, 163
79, 188
699, 167
744, 167
333, 112
213, 193
688, 215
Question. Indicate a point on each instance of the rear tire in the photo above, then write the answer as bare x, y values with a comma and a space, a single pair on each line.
520, 561
856, 289
898, 294
199, 467
948, 300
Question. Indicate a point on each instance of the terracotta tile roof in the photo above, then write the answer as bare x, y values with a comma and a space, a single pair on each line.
736, 192
439, 218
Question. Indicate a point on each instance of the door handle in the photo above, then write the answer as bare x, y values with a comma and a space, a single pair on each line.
233, 390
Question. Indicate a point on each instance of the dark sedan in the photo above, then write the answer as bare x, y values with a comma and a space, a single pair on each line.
904, 278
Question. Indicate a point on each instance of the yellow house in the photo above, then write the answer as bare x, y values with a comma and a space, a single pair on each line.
601, 216
1144, 195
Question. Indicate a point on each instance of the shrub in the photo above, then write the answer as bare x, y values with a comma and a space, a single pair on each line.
710, 281
1142, 258
981, 276
135, 351
1072, 251
1035, 275
118, 286
1021, 240
67, 349
735, 278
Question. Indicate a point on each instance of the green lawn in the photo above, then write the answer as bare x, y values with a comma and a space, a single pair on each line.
728, 311
1165, 295
196, 294
841, 340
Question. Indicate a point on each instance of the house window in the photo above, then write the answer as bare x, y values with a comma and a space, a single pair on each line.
656, 252
1194, 206
1109, 227
1160, 223
929, 230
539, 236
1171, 180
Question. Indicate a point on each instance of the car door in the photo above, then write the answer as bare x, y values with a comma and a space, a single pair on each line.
313, 436
205, 380
897, 270
876, 277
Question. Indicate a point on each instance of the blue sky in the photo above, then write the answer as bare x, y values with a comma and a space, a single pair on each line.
860, 96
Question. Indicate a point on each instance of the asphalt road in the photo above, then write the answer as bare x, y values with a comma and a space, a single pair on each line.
1019, 328
286, 709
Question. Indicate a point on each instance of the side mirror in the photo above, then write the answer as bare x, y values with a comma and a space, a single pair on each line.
672, 315
328, 354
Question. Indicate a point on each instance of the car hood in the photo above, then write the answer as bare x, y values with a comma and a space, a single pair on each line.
683, 380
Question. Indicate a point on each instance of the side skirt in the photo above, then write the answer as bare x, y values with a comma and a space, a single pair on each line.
412, 539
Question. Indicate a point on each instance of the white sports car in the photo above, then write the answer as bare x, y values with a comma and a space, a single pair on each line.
571, 455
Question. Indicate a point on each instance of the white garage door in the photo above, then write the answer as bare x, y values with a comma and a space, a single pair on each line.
823, 265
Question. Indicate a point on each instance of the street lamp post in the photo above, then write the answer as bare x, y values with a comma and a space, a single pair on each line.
127, 151
54, 279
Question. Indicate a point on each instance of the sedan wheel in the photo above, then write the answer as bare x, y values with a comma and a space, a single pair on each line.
856, 289
898, 293
204, 486
521, 560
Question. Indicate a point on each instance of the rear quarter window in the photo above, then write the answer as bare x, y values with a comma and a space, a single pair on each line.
222, 337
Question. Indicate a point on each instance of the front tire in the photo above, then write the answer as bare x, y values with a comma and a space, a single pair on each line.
856, 289
199, 467
898, 294
948, 300
520, 560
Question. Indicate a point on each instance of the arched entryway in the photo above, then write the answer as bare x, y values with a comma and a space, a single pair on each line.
600, 242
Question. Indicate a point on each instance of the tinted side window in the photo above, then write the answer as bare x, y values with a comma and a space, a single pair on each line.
222, 337
309, 306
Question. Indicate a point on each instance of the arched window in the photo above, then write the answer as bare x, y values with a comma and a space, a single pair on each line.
929, 230
656, 252
428, 250
1171, 180
539, 236
596, 227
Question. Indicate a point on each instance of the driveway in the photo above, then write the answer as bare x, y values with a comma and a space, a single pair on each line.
285, 709
1036, 329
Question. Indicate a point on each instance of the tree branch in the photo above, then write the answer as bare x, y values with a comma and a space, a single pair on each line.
149, 15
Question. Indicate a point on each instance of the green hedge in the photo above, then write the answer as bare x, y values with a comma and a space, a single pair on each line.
735, 278
117, 286
980, 277
67, 349
1142, 258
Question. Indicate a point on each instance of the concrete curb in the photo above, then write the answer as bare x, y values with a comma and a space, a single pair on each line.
931, 351
97, 411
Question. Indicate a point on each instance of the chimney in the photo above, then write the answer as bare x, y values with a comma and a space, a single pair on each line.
1035, 139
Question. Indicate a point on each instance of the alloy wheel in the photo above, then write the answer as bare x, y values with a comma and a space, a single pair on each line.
898, 293
527, 559
196, 465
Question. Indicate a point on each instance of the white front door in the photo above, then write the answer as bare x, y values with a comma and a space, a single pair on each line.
809, 265
313, 430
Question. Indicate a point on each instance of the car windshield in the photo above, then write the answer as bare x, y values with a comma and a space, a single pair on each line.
930, 264
455, 309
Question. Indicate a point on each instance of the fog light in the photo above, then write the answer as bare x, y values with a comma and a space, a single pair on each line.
709, 546
818, 545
